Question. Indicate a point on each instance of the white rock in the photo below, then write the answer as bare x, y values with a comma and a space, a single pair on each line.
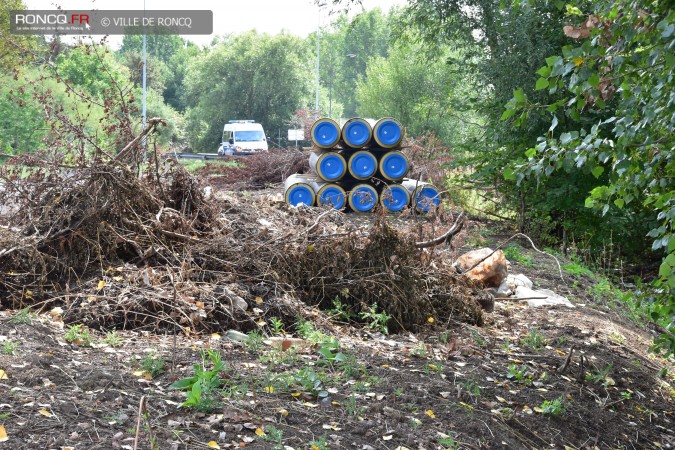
519, 280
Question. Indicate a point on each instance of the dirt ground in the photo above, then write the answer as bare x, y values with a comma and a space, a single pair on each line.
323, 384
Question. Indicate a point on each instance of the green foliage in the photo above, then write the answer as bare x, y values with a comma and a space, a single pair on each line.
534, 340
612, 90
9, 347
250, 76
422, 94
376, 321
153, 365
554, 407
113, 339
519, 373
310, 383
23, 316
515, 253
576, 270
319, 444
91, 68
340, 310
306, 330
254, 343
22, 123
78, 334
203, 386
599, 376
448, 442
276, 325
275, 436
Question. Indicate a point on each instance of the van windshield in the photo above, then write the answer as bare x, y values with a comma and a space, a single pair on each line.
249, 136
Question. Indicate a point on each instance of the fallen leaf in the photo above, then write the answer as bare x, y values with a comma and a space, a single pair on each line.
101, 285
310, 405
200, 305
538, 409
3, 434
269, 389
56, 311
282, 411
258, 300
430, 320
387, 437
138, 373
500, 399
45, 413
3, 375
259, 431
212, 444
430, 413
215, 336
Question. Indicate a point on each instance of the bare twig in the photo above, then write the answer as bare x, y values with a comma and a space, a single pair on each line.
446, 237
566, 364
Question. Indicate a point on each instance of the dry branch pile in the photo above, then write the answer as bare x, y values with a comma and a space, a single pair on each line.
118, 250
257, 171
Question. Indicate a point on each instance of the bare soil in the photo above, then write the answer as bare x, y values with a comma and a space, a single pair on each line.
449, 385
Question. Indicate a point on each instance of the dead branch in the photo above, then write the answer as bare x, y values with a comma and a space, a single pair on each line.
124, 154
447, 237
566, 364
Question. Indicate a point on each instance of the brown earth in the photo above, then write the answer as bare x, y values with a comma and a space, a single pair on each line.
450, 385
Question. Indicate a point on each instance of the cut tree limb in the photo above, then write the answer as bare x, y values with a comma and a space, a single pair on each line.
447, 237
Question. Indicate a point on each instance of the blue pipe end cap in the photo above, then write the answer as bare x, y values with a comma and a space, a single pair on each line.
388, 133
331, 167
332, 196
395, 198
326, 134
394, 166
356, 134
300, 195
427, 198
363, 199
363, 165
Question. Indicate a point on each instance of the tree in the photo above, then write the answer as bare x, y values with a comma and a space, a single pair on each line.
616, 84
425, 95
13, 46
250, 76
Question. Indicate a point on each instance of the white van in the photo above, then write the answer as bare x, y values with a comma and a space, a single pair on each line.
242, 137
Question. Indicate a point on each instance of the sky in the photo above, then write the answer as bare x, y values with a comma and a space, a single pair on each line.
299, 17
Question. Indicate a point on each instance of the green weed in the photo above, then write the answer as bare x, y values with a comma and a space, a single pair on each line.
203, 386
78, 334
577, 270
254, 343
23, 316
310, 383
113, 339
376, 321
534, 340
520, 374
340, 310
275, 436
554, 407
276, 325
306, 330
448, 442
153, 365
515, 253
319, 444
599, 376
9, 347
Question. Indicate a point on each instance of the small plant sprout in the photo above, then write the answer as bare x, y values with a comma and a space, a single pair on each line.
9, 347
113, 339
23, 316
534, 340
554, 407
78, 335
152, 365
203, 386
276, 325
376, 321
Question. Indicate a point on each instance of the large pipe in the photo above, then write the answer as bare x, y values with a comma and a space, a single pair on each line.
394, 197
424, 196
329, 166
362, 165
356, 132
388, 133
325, 133
394, 165
297, 191
329, 194
363, 198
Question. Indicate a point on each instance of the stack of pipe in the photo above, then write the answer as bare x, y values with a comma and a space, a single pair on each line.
359, 164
